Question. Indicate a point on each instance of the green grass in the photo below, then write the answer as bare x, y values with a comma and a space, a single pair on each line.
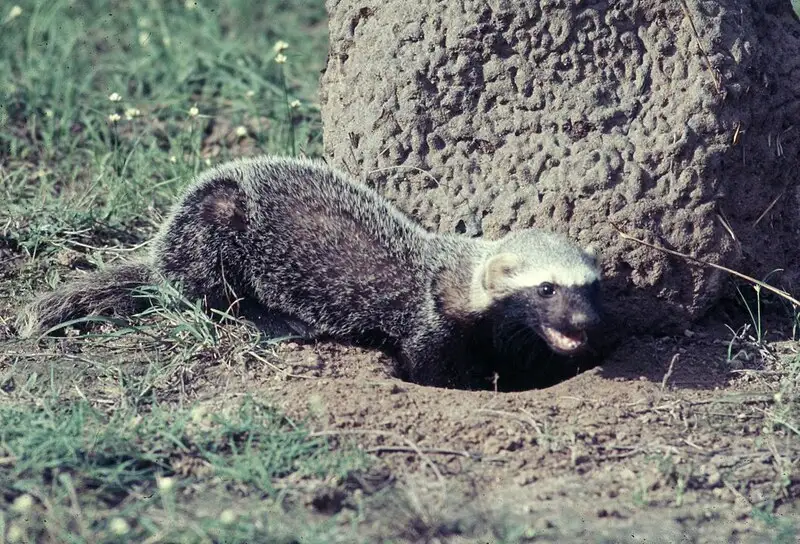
106, 112
70, 172
77, 474
117, 450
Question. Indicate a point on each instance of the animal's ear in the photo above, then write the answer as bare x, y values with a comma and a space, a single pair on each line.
498, 269
224, 206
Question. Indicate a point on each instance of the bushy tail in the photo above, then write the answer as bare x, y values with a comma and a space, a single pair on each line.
107, 292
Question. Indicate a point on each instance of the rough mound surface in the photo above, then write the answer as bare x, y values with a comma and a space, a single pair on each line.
672, 121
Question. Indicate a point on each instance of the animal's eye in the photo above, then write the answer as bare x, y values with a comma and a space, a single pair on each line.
547, 290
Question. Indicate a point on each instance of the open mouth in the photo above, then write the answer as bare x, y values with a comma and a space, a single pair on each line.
564, 342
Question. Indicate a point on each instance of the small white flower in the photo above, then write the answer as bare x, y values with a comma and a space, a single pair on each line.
22, 504
49, 114
144, 38
166, 484
13, 13
190, 4
130, 113
241, 131
280, 46
227, 517
115, 97
280, 58
294, 104
114, 118
198, 414
119, 526
193, 111
15, 533
173, 158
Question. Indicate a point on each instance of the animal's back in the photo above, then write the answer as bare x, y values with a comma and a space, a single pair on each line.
305, 241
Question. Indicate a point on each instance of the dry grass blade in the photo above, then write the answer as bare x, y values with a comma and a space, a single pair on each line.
276, 368
766, 211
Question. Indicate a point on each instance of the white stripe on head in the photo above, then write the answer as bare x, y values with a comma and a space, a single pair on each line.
567, 277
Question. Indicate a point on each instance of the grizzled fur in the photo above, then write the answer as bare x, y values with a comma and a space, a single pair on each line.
105, 292
295, 244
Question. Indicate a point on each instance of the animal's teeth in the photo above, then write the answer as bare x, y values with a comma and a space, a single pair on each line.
563, 341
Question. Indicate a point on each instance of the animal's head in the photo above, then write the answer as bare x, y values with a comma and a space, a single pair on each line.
542, 282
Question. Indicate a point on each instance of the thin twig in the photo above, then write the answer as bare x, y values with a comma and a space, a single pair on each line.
780, 292
737, 493
398, 167
738, 399
686, 12
668, 375
771, 205
429, 451
396, 436
757, 372
527, 418
630, 453
695, 446
108, 249
726, 225
277, 368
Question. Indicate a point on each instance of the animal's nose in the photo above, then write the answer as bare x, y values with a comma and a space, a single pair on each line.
584, 319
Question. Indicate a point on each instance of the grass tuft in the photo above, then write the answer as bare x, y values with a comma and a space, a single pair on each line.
106, 113
70, 468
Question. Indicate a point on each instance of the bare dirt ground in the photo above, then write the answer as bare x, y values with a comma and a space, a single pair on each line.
668, 441
617, 453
